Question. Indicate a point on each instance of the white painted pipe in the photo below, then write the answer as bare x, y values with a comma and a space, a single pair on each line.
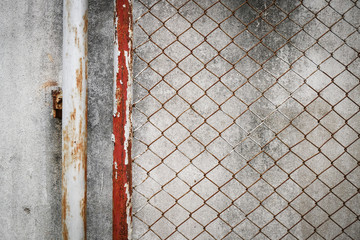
74, 119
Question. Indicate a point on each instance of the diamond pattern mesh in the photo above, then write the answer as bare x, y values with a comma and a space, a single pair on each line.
246, 119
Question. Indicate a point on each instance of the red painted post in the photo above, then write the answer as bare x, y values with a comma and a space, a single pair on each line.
122, 133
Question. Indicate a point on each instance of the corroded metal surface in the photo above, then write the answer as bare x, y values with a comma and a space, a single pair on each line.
122, 120
57, 103
74, 119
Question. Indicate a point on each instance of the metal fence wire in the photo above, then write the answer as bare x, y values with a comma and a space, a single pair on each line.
246, 119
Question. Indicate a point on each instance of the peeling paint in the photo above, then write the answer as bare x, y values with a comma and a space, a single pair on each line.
122, 125
128, 208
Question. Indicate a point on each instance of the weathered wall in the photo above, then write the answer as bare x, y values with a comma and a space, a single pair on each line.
30, 147
246, 119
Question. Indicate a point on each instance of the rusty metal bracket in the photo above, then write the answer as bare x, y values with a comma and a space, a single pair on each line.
57, 103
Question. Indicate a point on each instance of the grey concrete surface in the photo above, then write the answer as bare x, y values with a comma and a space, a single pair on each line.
30, 138
100, 147
30, 147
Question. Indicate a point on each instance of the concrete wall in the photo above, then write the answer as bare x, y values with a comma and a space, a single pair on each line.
200, 171
30, 146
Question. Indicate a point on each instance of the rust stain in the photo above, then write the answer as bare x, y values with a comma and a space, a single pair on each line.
85, 17
67, 5
48, 84
64, 204
83, 210
73, 114
86, 69
66, 140
75, 143
77, 151
86, 48
82, 207
50, 58
79, 76
77, 40
75, 148
65, 209
65, 233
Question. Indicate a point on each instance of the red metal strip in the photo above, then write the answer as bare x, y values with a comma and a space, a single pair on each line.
122, 121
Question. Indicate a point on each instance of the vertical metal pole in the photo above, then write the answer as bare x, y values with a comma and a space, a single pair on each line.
122, 129
74, 119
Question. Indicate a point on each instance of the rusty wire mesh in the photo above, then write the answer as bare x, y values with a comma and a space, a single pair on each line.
246, 119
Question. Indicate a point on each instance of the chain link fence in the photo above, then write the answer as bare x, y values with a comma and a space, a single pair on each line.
246, 119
